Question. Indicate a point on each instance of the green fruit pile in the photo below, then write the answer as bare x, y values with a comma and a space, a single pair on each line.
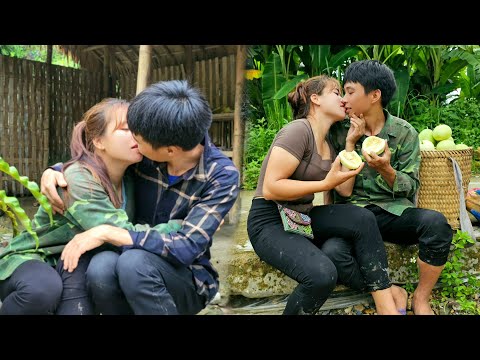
439, 138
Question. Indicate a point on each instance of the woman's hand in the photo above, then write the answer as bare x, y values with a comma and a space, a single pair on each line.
336, 176
80, 244
48, 185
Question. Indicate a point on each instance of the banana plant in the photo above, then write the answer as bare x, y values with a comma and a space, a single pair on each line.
11, 206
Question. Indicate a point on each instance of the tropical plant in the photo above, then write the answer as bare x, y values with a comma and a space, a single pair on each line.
11, 206
38, 53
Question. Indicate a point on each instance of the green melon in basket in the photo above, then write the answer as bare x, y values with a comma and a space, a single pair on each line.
427, 134
446, 145
426, 145
442, 132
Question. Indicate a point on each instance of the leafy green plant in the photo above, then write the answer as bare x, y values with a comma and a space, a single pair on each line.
413, 280
458, 284
260, 137
39, 53
11, 206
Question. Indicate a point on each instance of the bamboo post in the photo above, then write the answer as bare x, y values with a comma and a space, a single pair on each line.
106, 71
189, 73
238, 123
48, 117
144, 67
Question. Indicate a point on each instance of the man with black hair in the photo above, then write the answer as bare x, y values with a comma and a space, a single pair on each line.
182, 176
388, 184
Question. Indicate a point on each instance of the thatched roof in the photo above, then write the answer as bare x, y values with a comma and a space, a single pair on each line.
124, 58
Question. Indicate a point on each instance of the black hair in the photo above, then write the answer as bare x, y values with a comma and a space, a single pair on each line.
372, 75
170, 113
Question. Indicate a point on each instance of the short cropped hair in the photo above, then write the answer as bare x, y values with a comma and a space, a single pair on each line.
372, 75
170, 113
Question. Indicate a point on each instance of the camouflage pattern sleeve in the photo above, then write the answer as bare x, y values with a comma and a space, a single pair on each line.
406, 161
88, 204
338, 134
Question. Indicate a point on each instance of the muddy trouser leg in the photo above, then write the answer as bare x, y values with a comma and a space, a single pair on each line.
154, 286
104, 287
428, 228
351, 239
75, 298
292, 254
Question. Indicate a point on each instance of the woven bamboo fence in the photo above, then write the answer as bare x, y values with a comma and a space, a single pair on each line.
28, 140
216, 79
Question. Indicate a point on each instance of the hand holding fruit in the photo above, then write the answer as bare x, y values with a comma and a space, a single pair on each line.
336, 176
378, 163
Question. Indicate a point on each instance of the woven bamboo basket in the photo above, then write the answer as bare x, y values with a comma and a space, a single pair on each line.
438, 190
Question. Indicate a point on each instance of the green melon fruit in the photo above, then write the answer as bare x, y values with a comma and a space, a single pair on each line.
461, 147
446, 145
426, 134
426, 145
373, 144
350, 159
442, 132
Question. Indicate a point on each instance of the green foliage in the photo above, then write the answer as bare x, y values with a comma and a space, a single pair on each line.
457, 283
260, 136
38, 53
11, 206
462, 115
412, 269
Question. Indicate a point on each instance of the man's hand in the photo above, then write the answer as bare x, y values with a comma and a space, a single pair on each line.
378, 163
382, 164
48, 185
356, 131
80, 244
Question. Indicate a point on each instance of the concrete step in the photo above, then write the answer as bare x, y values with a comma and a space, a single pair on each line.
248, 276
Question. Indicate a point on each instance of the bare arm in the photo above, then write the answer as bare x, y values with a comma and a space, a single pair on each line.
356, 131
281, 165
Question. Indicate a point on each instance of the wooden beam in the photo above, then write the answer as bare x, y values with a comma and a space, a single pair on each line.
95, 47
48, 96
170, 53
127, 55
106, 71
188, 64
157, 55
223, 117
135, 52
144, 67
238, 123
238, 126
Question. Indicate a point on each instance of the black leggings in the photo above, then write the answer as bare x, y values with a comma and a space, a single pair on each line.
302, 260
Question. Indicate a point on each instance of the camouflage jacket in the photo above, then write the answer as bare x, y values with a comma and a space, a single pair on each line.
370, 187
88, 205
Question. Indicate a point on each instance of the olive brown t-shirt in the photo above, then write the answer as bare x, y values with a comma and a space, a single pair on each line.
297, 138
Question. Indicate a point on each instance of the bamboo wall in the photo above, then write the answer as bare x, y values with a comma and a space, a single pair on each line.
215, 77
24, 129
30, 142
